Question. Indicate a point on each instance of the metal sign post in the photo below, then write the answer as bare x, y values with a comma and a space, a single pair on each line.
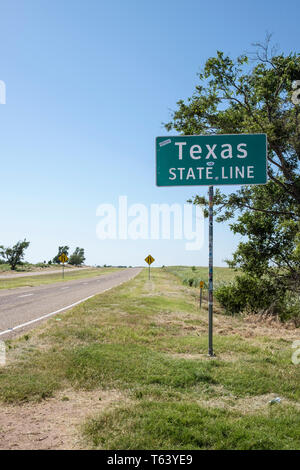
201, 291
210, 160
149, 260
63, 259
210, 271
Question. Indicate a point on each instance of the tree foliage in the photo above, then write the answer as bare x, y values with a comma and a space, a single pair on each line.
233, 98
15, 254
255, 95
77, 258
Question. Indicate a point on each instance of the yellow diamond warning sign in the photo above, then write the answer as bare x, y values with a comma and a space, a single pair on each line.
149, 259
63, 258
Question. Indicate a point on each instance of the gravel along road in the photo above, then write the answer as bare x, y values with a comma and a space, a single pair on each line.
22, 308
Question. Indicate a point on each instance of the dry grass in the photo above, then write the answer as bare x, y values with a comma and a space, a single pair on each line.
249, 405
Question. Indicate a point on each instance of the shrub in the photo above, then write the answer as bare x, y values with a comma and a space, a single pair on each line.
231, 299
291, 310
263, 295
190, 281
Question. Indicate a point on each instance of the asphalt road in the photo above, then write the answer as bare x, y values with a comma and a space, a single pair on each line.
21, 306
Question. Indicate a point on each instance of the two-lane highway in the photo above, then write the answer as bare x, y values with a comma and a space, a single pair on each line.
21, 308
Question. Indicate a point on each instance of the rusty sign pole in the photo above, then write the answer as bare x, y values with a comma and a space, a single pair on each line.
210, 270
201, 285
200, 297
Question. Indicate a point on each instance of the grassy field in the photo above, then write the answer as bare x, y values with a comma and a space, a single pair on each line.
197, 273
146, 341
32, 281
27, 267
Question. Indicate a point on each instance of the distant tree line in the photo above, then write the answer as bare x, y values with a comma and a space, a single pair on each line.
77, 258
14, 255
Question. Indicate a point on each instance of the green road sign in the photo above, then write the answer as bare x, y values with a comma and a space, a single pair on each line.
211, 160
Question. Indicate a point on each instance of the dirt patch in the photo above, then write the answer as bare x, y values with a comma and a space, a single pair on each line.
54, 423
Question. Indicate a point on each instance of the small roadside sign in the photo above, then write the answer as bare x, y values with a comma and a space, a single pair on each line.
201, 284
63, 258
149, 259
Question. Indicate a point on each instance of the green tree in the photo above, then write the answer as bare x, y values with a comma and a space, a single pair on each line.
235, 98
77, 258
61, 249
14, 255
272, 237
254, 95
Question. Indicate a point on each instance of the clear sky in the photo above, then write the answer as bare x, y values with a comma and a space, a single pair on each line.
88, 85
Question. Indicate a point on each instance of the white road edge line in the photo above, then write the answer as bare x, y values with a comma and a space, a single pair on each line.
58, 311
25, 295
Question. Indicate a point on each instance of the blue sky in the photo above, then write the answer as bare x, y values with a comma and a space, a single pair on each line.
89, 84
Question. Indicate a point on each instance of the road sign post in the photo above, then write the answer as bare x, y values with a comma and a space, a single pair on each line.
210, 270
201, 291
149, 260
195, 160
63, 259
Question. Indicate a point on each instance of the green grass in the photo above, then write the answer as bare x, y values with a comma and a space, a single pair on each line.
69, 275
148, 341
106, 365
161, 425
